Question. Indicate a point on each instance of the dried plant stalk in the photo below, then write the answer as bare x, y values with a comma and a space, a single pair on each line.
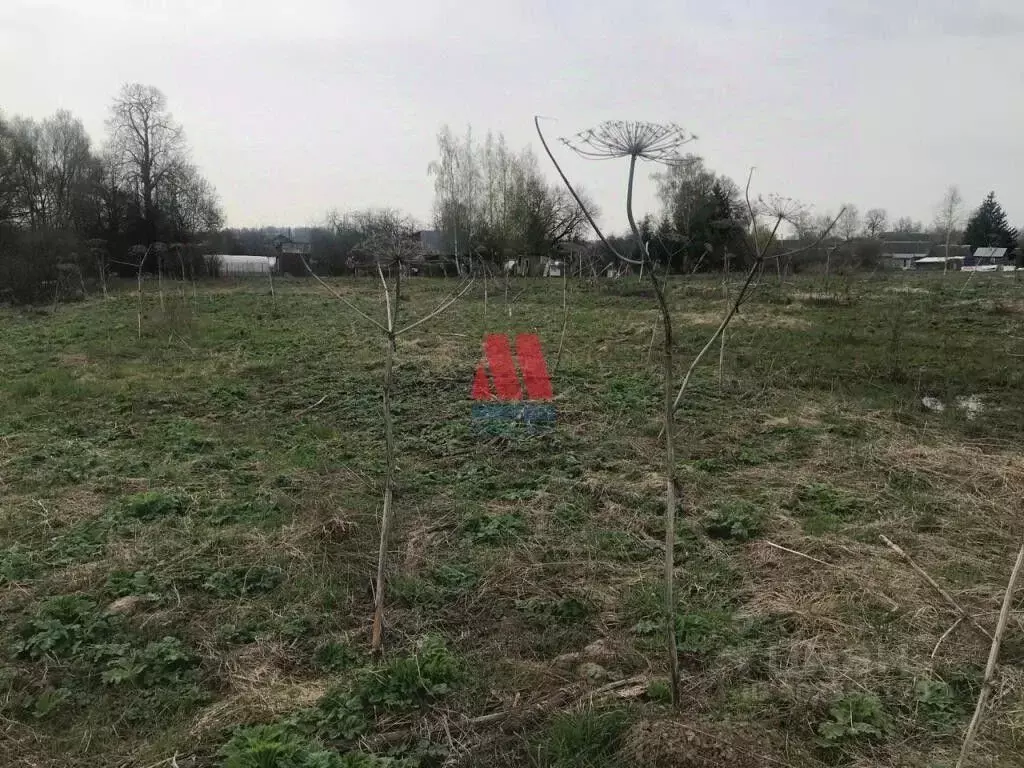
993, 656
935, 585
393, 249
659, 143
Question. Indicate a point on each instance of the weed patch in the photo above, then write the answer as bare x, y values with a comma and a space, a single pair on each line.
587, 739
857, 716
737, 520
494, 529
824, 508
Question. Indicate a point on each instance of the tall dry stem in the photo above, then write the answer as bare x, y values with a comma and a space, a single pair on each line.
392, 246
993, 657
659, 143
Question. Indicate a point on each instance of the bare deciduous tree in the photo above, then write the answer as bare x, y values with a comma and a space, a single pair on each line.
875, 221
906, 225
148, 144
949, 217
848, 224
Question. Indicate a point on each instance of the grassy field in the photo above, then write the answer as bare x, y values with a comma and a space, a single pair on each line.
188, 531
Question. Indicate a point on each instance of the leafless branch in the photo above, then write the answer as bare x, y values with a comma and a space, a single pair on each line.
735, 306
440, 308
576, 197
341, 298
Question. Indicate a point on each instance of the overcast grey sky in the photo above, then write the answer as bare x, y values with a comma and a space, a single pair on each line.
298, 106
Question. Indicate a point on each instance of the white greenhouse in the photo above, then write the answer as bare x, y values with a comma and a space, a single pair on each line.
242, 266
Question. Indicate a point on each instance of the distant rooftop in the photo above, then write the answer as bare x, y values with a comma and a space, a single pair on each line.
906, 246
989, 254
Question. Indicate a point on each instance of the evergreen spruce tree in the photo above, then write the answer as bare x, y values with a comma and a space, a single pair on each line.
988, 226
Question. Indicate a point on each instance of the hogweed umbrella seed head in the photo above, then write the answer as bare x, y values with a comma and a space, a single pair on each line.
656, 142
779, 207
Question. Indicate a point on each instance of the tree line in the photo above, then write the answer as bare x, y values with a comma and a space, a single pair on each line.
492, 204
131, 202
137, 202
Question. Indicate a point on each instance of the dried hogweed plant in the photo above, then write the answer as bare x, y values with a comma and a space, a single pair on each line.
662, 143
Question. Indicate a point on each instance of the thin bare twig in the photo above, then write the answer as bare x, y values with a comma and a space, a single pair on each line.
565, 316
341, 298
841, 569
935, 585
310, 407
576, 197
946, 634
387, 299
441, 308
993, 656
734, 308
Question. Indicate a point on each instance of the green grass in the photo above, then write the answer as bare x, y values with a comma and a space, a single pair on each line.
188, 527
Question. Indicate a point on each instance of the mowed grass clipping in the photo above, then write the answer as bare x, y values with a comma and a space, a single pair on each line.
188, 528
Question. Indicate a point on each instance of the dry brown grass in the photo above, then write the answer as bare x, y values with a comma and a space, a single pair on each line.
258, 688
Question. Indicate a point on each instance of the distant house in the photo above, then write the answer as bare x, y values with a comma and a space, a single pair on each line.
952, 251
939, 263
291, 252
553, 267
987, 257
903, 254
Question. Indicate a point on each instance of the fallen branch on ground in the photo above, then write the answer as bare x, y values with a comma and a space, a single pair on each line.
935, 585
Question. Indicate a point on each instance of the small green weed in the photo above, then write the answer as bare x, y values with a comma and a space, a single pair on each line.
49, 701
153, 505
17, 564
122, 583
494, 529
567, 609
164, 662
455, 578
412, 680
244, 581
569, 516
583, 739
275, 746
659, 691
259, 511
336, 656
824, 507
441, 585
854, 717
698, 632
711, 466
279, 746
736, 520
936, 703
62, 627
414, 591
345, 713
